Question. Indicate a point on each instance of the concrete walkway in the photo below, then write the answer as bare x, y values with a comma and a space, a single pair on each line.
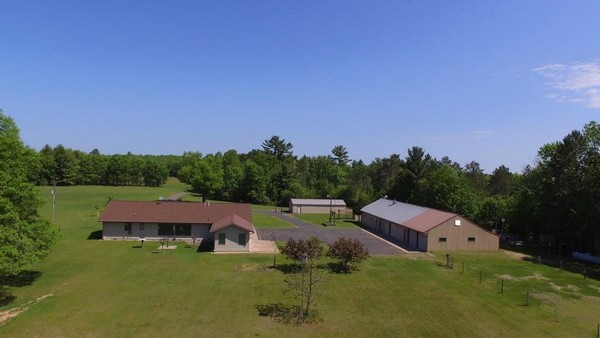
303, 230
261, 246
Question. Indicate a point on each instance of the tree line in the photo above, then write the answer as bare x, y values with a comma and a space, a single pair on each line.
64, 166
556, 197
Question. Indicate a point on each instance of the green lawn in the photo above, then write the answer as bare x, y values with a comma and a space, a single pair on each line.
319, 219
116, 289
266, 221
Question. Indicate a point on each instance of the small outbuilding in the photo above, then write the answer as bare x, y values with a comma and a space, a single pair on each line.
232, 233
427, 229
316, 206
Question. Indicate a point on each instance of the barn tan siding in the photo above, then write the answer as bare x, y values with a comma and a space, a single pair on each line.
457, 237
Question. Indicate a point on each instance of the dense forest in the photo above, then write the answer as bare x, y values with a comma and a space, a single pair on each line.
558, 197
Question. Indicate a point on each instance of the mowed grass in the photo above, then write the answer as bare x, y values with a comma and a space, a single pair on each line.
116, 289
266, 221
319, 219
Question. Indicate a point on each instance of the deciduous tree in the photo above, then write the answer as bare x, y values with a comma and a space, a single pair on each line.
24, 236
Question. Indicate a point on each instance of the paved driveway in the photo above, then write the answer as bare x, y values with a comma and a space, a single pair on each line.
304, 230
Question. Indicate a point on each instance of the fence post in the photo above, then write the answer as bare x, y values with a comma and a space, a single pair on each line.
561, 265
502, 287
480, 275
527, 299
463, 268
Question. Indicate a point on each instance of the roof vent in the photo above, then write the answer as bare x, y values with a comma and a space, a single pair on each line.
385, 197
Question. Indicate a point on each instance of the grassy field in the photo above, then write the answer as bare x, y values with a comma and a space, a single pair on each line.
319, 219
91, 288
266, 221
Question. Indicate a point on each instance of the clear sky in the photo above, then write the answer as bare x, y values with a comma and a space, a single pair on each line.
489, 81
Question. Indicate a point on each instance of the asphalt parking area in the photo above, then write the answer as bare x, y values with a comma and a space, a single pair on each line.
303, 230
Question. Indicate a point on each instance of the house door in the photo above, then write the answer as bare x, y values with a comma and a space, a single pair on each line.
389, 228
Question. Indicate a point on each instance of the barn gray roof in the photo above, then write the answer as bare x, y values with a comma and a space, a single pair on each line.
319, 202
412, 216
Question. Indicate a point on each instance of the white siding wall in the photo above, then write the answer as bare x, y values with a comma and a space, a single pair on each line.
231, 240
112, 230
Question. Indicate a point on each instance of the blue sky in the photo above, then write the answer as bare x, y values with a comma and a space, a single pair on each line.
489, 81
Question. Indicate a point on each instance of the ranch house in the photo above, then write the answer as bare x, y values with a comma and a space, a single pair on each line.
227, 225
427, 229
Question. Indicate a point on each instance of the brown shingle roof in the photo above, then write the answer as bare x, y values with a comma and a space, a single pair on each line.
172, 212
234, 220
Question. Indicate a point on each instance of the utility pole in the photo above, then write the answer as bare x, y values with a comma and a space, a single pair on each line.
53, 192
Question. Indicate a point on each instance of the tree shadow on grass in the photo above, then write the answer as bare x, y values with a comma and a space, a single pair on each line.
587, 270
285, 313
289, 268
5, 297
340, 268
20, 279
95, 235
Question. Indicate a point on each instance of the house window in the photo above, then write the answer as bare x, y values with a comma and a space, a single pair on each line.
471, 239
166, 230
128, 227
183, 230
442, 239
141, 226
242, 239
221, 239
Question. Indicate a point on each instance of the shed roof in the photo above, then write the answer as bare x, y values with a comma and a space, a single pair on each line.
232, 220
416, 217
319, 202
172, 212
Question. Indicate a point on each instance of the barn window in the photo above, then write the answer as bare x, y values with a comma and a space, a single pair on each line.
141, 226
221, 239
442, 239
457, 222
471, 239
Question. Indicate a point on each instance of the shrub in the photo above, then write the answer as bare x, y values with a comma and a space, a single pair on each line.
348, 251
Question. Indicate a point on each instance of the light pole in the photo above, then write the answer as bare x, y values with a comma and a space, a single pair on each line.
53, 192
330, 208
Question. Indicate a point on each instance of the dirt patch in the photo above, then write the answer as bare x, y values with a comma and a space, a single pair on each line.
507, 277
8, 314
537, 276
517, 255
252, 268
513, 278
546, 297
